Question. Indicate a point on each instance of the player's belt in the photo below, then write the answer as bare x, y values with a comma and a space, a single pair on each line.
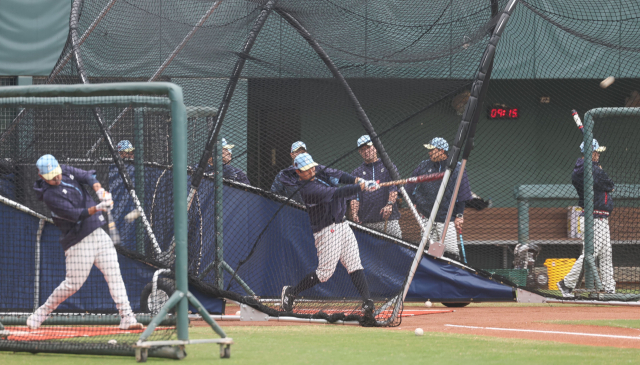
601, 212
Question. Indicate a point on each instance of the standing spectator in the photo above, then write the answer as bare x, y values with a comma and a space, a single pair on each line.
228, 171
424, 195
375, 209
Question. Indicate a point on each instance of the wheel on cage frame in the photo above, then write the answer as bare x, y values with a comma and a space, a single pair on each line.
225, 351
141, 354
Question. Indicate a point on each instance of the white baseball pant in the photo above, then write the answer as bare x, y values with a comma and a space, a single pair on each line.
393, 227
601, 253
95, 249
336, 243
450, 241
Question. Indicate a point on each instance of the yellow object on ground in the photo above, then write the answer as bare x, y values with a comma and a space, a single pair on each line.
557, 269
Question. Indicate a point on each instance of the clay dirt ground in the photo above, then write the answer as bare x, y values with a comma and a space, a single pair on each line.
510, 316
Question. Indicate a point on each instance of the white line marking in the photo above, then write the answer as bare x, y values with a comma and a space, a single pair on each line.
553, 332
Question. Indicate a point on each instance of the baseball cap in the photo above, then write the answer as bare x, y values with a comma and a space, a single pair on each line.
124, 146
48, 167
365, 140
304, 162
227, 146
596, 146
438, 142
297, 145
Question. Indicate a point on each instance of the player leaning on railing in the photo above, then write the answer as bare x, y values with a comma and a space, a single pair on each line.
84, 243
602, 208
334, 239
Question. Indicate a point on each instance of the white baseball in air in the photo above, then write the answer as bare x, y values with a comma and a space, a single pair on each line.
428, 304
112, 342
237, 313
132, 215
419, 332
607, 82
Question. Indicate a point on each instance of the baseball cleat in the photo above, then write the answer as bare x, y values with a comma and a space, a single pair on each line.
565, 290
286, 301
34, 321
610, 291
129, 322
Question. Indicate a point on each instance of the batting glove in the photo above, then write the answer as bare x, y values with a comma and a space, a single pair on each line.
103, 195
105, 205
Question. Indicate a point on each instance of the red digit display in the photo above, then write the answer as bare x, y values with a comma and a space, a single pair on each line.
503, 113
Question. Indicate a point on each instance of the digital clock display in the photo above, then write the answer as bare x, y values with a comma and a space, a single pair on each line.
503, 113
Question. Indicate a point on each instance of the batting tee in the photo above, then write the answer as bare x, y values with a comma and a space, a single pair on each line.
53, 118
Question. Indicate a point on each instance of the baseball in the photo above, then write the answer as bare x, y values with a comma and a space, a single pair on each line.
112, 342
419, 332
132, 215
237, 313
428, 304
607, 82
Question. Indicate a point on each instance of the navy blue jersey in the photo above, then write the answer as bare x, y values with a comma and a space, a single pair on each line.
602, 188
235, 174
325, 203
371, 202
69, 203
424, 194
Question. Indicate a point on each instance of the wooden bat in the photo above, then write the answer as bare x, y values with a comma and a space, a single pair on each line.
415, 179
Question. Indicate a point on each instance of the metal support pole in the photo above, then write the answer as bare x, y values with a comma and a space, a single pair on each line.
180, 210
523, 221
219, 215
138, 158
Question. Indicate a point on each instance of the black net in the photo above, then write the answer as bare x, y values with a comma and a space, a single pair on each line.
80, 263
268, 74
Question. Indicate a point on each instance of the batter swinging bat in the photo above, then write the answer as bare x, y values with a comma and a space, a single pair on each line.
415, 179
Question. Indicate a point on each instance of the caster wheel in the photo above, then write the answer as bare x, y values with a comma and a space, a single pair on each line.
225, 351
141, 355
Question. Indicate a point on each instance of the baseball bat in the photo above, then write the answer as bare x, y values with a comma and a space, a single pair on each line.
113, 230
415, 179
576, 118
464, 255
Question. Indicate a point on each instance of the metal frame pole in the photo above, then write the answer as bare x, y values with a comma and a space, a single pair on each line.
138, 160
219, 216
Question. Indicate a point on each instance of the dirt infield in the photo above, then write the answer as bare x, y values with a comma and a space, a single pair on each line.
514, 321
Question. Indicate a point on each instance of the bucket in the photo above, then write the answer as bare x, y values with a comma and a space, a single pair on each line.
557, 270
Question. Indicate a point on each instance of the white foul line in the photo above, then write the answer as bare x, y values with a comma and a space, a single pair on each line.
553, 332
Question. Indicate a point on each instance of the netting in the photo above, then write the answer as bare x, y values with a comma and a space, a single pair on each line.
267, 74
73, 270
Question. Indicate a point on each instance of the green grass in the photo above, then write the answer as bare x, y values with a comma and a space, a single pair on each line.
622, 323
354, 345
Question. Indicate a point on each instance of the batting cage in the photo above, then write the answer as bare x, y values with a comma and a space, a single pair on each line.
340, 155
64, 213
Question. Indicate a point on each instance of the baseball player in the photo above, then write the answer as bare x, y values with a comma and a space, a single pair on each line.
334, 239
84, 243
285, 183
228, 171
602, 208
377, 210
424, 195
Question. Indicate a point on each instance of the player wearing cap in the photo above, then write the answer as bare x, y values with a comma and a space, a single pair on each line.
84, 243
424, 195
228, 171
286, 182
334, 239
125, 149
602, 208
377, 210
